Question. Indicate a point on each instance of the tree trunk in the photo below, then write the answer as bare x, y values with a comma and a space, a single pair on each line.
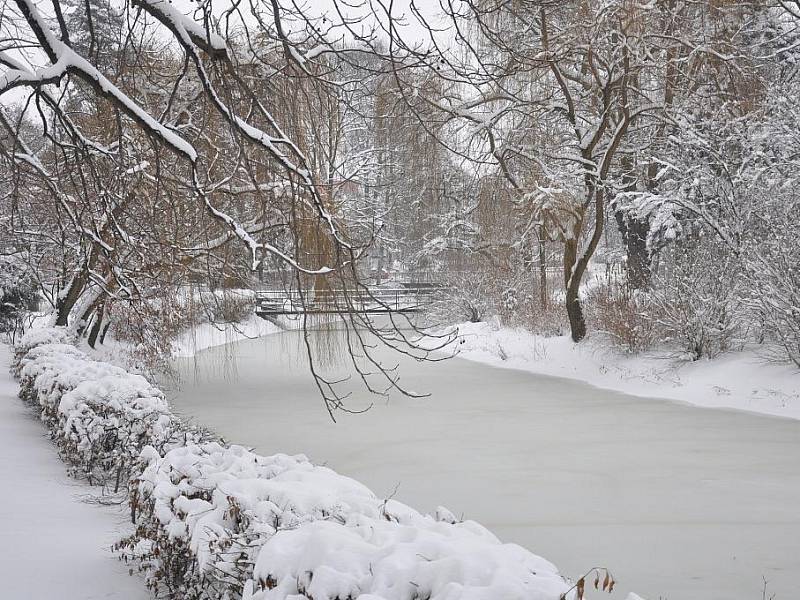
575, 266
543, 295
573, 274
98, 324
634, 231
65, 304
577, 322
105, 331
638, 264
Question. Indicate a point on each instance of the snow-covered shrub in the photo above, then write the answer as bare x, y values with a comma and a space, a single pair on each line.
466, 298
772, 277
777, 301
404, 557
39, 337
99, 415
106, 422
203, 511
223, 522
47, 371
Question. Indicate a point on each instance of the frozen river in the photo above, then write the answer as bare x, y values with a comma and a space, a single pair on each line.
679, 502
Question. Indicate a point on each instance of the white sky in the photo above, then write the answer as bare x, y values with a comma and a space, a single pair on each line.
370, 11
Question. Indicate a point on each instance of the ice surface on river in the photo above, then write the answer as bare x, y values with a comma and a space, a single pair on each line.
680, 502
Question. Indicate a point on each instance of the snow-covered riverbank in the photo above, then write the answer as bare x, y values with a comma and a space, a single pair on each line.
209, 335
739, 380
53, 543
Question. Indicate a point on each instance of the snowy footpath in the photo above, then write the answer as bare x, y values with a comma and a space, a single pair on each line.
53, 543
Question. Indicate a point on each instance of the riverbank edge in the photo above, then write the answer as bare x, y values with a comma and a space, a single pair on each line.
741, 380
737, 380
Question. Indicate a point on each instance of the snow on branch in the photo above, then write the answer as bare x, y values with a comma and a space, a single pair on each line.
66, 61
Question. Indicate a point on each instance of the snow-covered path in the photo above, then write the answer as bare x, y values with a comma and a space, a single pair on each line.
680, 502
53, 545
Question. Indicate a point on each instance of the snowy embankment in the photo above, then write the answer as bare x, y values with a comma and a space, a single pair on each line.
53, 544
216, 521
739, 380
208, 335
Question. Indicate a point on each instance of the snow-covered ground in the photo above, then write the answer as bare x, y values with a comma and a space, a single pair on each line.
740, 380
53, 543
208, 335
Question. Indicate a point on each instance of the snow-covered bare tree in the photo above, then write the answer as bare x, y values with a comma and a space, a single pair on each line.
550, 93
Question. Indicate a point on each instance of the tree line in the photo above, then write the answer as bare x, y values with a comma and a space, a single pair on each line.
489, 143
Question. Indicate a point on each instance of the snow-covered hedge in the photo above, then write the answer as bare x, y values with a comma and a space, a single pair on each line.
223, 522
99, 415
38, 337
220, 522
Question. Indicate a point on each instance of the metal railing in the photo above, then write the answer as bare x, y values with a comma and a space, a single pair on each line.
371, 300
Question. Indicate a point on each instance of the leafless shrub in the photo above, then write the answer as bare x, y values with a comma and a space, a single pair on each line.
698, 304
620, 312
549, 320
774, 299
226, 306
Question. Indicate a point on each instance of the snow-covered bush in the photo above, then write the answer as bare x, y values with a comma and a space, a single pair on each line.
99, 415
770, 263
223, 522
39, 337
407, 557
776, 299
50, 370
467, 297
698, 304
106, 422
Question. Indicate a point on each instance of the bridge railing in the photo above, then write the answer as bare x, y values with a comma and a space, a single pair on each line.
371, 300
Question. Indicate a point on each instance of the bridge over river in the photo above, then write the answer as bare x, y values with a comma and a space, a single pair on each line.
400, 298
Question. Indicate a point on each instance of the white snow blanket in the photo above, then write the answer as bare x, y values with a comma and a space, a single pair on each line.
218, 521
